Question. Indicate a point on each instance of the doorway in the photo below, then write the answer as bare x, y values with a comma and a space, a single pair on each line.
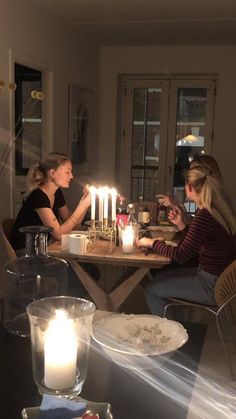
28, 127
165, 124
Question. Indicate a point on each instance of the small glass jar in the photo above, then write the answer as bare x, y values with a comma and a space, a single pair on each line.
60, 329
128, 236
31, 277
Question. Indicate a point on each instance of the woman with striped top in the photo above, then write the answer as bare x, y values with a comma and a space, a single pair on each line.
211, 236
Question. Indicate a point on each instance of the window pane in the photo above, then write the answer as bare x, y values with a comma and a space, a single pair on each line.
32, 124
190, 131
145, 142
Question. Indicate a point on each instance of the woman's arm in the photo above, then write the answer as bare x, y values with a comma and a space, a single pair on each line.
197, 235
48, 218
64, 213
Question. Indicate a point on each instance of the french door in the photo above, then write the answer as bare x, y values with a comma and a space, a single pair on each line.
165, 124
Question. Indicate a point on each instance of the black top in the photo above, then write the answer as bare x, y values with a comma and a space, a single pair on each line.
27, 215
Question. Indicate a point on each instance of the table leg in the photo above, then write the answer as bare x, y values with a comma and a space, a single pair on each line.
119, 294
99, 297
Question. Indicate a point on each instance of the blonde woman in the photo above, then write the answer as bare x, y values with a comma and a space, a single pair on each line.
45, 204
211, 236
205, 160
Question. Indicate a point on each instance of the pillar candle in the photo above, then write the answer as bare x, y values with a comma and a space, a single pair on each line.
60, 353
105, 195
93, 201
100, 208
113, 204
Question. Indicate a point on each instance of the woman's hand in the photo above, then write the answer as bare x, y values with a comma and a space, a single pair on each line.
166, 200
85, 201
176, 216
145, 242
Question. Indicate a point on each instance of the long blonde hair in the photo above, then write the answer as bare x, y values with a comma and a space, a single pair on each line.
210, 163
211, 196
38, 173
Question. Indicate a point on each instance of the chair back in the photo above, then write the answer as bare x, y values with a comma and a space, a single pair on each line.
226, 284
7, 225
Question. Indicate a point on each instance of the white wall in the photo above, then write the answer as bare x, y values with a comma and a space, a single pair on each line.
220, 60
38, 39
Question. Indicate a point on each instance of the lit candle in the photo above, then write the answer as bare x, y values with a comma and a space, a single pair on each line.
113, 204
100, 208
128, 239
93, 201
60, 353
105, 195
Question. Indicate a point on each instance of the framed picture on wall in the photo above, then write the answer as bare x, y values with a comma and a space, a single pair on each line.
80, 126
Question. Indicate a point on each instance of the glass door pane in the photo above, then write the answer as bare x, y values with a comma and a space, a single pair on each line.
191, 129
145, 143
165, 123
142, 156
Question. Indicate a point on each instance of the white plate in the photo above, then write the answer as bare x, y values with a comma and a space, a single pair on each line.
104, 410
130, 339
167, 232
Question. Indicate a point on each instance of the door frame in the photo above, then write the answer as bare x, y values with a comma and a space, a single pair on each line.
47, 111
125, 155
127, 82
210, 85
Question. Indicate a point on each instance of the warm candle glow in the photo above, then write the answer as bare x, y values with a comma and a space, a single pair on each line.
128, 239
100, 208
106, 204
60, 353
105, 197
113, 204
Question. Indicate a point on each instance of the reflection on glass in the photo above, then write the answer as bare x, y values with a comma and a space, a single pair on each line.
190, 132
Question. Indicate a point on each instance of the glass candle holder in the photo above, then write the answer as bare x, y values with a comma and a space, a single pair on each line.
128, 236
60, 329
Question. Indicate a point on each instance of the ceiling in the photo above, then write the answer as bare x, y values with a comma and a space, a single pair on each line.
147, 22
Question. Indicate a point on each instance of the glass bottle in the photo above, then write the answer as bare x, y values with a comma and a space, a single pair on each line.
146, 217
131, 211
121, 213
161, 214
31, 277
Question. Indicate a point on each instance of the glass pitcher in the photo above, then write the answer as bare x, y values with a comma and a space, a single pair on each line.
31, 277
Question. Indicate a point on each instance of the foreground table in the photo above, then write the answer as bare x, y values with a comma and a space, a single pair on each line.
163, 392
100, 255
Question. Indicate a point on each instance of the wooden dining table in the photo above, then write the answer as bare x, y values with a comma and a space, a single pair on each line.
100, 254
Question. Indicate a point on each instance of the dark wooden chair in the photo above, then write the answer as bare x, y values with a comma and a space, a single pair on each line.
6, 254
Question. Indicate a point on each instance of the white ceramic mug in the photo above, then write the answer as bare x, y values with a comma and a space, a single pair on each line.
78, 244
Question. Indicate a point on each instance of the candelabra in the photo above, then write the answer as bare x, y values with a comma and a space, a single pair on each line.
102, 228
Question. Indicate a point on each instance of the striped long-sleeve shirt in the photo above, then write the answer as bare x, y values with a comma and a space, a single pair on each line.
207, 238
